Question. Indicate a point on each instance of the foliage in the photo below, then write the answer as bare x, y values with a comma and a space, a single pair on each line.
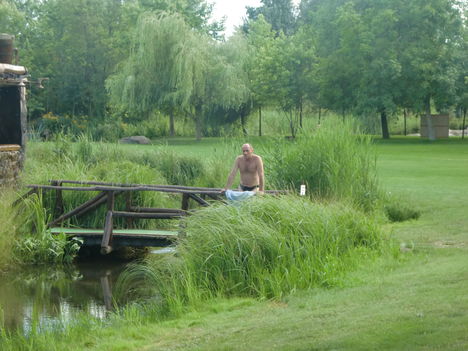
37, 244
279, 13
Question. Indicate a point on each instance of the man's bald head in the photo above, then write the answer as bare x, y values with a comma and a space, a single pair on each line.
247, 150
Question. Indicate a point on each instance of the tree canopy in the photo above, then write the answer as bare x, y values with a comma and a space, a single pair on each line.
135, 58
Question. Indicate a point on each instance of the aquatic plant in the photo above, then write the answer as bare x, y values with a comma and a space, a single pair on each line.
37, 245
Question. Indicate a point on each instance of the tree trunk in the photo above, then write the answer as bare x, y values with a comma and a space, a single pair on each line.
384, 123
342, 113
291, 124
430, 126
320, 115
171, 123
259, 120
198, 123
244, 129
300, 114
404, 119
464, 125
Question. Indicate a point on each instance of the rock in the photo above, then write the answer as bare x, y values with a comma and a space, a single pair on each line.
457, 132
138, 139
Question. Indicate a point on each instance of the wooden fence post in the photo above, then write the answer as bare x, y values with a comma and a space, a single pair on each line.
58, 210
185, 201
106, 244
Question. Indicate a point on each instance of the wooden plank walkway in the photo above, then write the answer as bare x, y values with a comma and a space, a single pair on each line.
122, 237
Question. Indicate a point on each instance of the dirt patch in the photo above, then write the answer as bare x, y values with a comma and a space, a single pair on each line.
444, 244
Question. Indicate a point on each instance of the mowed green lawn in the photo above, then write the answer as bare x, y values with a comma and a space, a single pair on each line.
417, 300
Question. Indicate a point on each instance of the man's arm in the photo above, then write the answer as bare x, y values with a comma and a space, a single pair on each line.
261, 177
232, 175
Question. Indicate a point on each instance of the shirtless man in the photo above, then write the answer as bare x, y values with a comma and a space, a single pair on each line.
251, 171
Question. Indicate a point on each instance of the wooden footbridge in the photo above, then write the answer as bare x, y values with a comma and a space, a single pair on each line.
110, 238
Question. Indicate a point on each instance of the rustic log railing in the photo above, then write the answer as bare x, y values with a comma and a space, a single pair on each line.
109, 191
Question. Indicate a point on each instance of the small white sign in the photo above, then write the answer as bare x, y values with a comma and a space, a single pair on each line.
303, 190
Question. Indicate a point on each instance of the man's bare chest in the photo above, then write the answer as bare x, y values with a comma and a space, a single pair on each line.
248, 166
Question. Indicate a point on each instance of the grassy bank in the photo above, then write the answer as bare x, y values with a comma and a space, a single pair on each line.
415, 301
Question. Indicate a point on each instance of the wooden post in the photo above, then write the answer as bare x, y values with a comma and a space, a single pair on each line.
128, 208
185, 201
106, 244
58, 210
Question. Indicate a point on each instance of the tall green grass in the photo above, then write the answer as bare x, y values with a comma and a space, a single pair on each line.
266, 248
85, 160
8, 227
336, 161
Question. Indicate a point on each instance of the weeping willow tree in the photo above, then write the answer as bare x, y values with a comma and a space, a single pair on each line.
176, 69
159, 73
224, 94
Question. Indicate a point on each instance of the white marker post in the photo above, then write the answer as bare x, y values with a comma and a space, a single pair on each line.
303, 190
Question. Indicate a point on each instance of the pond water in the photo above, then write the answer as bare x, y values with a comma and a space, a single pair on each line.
46, 296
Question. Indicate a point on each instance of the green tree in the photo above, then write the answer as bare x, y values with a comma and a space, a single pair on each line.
279, 13
428, 37
281, 70
158, 72
260, 40
379, 88
11, 19
174, 68
340, 65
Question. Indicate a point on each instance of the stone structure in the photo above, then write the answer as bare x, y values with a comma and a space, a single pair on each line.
10, 165
13, 112
138, 139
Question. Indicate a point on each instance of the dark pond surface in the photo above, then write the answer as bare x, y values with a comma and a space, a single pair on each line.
46, 296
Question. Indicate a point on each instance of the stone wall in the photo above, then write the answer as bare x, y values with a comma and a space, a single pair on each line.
10, 165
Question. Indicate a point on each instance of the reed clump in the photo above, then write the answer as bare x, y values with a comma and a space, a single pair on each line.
336, 161
267, 247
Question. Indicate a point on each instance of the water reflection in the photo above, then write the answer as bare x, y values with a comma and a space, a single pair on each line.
49, 297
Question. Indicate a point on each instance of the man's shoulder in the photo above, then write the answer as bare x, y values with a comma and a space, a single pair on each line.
257, 157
